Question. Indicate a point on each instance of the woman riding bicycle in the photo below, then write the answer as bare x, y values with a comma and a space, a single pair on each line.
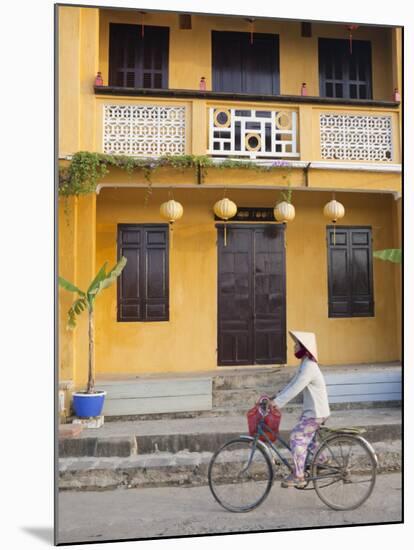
310, 380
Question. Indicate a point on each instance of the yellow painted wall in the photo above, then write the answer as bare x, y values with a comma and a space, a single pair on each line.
298, 56
76, 263
87, 233
189, 340
83, 50
69, 84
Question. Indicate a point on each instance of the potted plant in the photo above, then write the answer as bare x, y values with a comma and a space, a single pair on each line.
90, 402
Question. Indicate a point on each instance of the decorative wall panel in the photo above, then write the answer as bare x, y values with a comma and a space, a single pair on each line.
143, 130
253, 133
356, 137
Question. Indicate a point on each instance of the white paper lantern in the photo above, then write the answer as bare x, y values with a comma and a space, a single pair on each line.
284, 212
225, 209
334, 210
171, 210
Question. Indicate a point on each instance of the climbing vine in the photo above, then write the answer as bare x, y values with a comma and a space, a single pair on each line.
86, 169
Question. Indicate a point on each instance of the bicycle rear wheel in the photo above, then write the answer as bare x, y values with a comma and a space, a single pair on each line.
240, 475
344, 468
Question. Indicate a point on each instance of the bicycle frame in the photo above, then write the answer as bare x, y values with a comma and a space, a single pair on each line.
262, 433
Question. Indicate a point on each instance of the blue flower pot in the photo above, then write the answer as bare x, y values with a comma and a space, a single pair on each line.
88, 404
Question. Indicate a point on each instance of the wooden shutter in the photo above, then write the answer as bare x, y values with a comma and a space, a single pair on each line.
350, 281
342, 74
143, 287
138, 61
245, 67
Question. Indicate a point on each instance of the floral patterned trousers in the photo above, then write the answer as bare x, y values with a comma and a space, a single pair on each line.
302, 439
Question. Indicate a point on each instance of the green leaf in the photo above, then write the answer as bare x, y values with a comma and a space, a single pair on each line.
70, 286
389, 254
77, 308
113, 274
99, 277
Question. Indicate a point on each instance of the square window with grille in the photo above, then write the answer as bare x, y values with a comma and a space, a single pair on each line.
350, 278
143, 286
344, 73
138, 59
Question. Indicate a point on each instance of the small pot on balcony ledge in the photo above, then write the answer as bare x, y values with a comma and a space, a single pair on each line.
99, 79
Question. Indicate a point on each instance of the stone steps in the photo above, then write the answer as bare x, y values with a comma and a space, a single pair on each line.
184, 468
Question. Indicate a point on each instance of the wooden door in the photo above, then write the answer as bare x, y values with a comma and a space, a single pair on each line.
251, 295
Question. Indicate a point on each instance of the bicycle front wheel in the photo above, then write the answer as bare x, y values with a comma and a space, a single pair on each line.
344, 472
240, 475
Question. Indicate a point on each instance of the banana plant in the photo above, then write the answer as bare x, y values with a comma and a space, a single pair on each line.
86, 301
389, 254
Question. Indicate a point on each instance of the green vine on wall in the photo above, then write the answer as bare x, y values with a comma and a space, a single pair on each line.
86, 169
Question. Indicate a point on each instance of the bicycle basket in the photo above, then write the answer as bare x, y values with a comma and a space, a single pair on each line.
271, 416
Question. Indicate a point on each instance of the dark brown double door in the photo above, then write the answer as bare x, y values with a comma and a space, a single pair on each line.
251, 295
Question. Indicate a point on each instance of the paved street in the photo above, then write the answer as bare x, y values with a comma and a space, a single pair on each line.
143, 513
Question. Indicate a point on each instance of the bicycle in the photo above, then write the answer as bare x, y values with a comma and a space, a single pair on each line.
342, 469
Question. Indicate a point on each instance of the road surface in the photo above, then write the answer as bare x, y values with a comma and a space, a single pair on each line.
174, 511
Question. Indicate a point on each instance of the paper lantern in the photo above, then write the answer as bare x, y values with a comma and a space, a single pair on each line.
284, 212
334, 211
171, 211
351, 28
225, 209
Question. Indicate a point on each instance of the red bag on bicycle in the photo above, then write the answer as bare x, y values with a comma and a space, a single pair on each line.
271, 415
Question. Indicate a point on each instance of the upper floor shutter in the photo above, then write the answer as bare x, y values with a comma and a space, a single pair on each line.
343, 74
242, 65
136, 60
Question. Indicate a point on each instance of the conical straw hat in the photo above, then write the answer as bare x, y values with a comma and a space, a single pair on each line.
307, 340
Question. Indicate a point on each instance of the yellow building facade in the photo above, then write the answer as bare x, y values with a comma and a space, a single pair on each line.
313, 145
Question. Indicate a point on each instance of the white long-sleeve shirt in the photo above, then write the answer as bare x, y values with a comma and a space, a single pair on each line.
310, 380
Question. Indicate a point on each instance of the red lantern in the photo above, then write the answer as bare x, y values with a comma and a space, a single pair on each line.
142, 23
396, 96
303, 89
203, 84
251, 22
351, 28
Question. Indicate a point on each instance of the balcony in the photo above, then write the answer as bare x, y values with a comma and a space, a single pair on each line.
290, 128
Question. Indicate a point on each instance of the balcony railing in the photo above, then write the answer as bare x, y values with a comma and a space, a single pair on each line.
356, 137
144, 127
144, 130
253, 133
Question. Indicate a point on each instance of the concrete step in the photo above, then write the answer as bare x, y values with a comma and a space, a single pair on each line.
184, 468
233, 399
129, 438
209, 393
242, 407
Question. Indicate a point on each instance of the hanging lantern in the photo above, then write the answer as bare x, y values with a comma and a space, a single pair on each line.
351, 28
143, 13
284, 212
251, 25
225, 209
334, 211
171, 211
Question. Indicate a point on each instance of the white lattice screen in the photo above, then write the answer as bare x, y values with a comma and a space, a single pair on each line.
144, 130
356, 137
253, 133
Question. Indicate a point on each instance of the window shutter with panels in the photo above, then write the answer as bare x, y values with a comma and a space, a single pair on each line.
343, 74
143, 287
138, 61
242, 66
350, 280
